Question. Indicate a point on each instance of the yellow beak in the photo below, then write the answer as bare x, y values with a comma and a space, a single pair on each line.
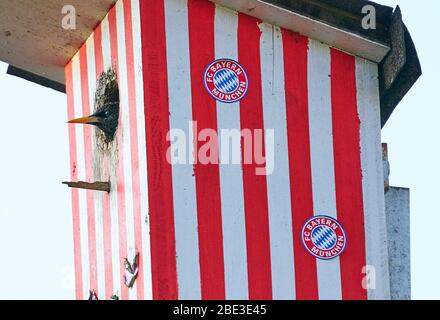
86, 120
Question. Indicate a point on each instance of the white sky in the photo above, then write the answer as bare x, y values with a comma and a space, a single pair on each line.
36, 239
36, 249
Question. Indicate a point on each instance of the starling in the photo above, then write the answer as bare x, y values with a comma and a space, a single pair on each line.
106, 111
105, 118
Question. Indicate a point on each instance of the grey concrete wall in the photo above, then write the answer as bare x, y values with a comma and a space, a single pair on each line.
398, 233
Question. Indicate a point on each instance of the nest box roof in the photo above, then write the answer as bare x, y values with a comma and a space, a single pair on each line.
37, 48
32, 38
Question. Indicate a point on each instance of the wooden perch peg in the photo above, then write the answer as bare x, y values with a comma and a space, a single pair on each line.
98, 186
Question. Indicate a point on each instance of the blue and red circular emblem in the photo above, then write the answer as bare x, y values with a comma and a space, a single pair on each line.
323, 237
226, 80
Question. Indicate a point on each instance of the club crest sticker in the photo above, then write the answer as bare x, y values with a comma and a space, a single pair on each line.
226, 80
323, 237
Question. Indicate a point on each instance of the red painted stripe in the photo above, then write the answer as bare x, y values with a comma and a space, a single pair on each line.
348, 174
255, 186
160, 191
120, 188
295, 71
74, 177
136, 189
201, 37
106, 220
85, 101
113, 38
97, 40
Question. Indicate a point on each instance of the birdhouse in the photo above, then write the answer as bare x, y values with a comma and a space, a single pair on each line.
243, 158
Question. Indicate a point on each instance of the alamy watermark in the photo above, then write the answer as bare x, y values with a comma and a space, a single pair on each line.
369, 279
228, 146
68, 22
369, 19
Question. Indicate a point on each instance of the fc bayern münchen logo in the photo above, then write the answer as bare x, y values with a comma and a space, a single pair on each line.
226, 80
323, 237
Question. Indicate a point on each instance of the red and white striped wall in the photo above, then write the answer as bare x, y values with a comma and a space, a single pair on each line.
220, 231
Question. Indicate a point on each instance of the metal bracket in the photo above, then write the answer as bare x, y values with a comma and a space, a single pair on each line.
98, 186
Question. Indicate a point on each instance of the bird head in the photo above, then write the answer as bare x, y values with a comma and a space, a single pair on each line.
105, 118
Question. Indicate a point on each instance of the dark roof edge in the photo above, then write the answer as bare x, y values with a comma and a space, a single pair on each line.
14, 71
342, 14
400, 69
